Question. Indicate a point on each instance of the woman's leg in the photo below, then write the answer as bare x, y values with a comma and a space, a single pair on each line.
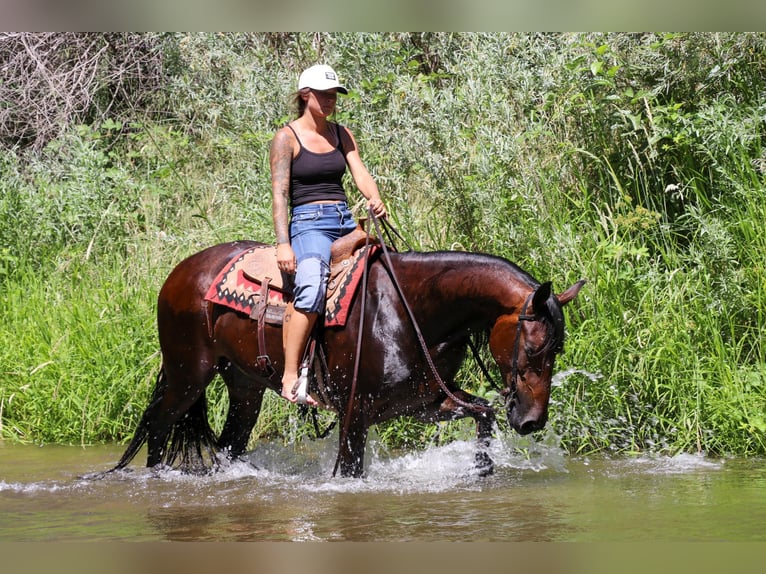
312, 231
295, 333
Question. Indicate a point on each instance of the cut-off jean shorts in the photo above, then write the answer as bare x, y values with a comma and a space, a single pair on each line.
313, 228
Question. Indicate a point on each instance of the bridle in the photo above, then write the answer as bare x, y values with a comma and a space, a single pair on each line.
513, 385
510, 391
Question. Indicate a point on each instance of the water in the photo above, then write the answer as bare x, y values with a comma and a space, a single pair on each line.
537, 494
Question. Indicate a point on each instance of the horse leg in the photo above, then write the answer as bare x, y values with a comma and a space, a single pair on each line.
351, 453
245, 398
485, 421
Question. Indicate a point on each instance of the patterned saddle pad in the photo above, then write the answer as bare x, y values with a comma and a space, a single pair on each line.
238, 284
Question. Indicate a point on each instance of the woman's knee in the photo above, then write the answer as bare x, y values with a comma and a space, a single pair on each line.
311, 285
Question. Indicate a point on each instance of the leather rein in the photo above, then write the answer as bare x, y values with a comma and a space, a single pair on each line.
474, 407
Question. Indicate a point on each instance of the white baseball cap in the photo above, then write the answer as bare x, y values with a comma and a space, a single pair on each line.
320, 77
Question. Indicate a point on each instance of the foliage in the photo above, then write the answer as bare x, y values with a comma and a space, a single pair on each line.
634, 160
52, 81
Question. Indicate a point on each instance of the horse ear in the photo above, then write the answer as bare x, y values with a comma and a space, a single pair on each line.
571, 293
540, 297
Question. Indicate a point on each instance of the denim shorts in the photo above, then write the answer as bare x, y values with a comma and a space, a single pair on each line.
313, 228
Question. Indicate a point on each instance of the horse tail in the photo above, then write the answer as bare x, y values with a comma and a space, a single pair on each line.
142, 431
192, 441
190, 438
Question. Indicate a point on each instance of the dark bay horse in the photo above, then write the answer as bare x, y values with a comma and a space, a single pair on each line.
451, 295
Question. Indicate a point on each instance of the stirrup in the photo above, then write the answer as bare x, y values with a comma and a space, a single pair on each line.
300, 389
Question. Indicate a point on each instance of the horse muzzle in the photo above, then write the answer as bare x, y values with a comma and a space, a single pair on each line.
525, 421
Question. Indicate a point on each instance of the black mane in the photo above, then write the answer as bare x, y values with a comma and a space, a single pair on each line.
553, 319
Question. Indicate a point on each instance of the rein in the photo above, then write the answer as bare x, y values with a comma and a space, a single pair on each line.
355, 378
482, 366
470, 406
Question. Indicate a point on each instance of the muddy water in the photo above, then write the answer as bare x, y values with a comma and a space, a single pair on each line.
286, 494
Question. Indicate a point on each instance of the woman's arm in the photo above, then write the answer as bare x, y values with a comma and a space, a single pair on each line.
362, 178
280, 159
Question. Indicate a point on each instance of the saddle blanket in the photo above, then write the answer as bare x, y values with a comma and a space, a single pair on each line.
238, 284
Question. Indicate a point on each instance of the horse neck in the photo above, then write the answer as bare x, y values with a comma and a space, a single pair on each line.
463, 288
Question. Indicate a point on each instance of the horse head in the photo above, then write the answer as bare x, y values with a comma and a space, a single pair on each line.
525, 344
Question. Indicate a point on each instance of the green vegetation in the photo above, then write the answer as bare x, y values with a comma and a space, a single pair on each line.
636, 161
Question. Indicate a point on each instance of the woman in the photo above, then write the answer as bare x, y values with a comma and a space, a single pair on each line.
308, 159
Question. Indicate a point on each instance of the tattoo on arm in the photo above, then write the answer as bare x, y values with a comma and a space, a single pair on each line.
280, 158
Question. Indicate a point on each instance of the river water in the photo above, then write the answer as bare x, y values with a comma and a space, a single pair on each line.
286, 493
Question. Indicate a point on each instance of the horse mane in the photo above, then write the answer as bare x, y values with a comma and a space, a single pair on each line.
553, 319
458, 259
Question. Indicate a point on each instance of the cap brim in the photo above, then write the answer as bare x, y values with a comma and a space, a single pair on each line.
340, 89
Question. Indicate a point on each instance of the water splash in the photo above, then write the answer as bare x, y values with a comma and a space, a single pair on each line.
306, 467
31, 487
437, 468
559, 378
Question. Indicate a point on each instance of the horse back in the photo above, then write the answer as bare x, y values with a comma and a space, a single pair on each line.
188, 282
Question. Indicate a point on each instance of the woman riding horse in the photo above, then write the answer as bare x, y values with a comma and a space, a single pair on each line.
308, 159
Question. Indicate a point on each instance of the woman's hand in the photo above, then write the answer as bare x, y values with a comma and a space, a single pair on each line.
377, 206
286, 258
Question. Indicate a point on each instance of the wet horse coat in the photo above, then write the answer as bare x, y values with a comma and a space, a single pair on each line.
451, 296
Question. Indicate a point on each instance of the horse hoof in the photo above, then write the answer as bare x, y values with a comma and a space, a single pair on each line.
484, 465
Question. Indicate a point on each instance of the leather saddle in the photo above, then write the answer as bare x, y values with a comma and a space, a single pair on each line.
262, 269
262, 265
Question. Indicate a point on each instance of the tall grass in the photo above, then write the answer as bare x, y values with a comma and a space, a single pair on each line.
78, 355
635, 161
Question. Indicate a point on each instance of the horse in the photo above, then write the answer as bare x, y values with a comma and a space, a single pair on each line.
415, 318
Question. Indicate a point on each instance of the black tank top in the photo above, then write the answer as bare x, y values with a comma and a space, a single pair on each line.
317, 176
